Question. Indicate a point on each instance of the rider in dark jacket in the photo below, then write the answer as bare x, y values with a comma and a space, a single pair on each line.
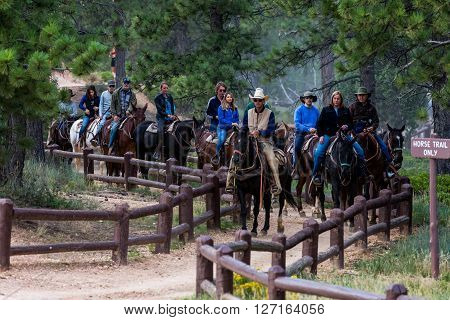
165, 108
365, 118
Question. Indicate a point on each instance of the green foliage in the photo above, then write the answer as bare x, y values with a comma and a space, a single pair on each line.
46, 186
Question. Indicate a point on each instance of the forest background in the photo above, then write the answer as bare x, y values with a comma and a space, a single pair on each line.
398, 49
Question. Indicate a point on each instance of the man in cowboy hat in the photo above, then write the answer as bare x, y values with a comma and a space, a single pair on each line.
104, 110
365, 118
260, 122
251, 104
305, 119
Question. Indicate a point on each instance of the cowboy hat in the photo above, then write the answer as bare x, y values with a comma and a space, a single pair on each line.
363, 90
308, 94
71, 93
259, 94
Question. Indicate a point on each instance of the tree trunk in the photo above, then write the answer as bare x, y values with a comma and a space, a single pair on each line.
441, 117
120, 65
12, 167
327, 74
36, 132
367, 75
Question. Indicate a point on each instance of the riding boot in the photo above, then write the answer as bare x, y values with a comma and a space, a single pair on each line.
389, 172
229, 187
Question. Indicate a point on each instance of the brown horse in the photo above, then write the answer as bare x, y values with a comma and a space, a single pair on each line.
375, 165
59, 133
125, 141
206, 150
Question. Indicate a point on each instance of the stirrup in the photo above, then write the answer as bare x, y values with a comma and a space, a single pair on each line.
156, 155
317, 180
275, 191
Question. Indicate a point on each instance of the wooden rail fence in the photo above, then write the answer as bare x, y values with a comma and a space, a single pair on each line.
121, 217
278, 278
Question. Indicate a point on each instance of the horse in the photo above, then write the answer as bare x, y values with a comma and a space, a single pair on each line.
177, 144
341, 173
89, 134
206, 150
284, 138
251, 178
375, 166
125, 139
59, 133
394, 141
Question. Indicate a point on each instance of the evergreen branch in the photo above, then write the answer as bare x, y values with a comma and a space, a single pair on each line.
335, 82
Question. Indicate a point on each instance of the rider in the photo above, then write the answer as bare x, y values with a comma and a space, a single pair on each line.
305, 119
104, 111
123, 103
89, 104
67, 108
332, 118
260, 122
213, 105
165, 108
365, 118
228, 117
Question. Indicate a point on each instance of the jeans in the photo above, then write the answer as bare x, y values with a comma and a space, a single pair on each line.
84, 125
383, 147
222, 137
213, 125
113, 134
102, 123
299, 140
322, 148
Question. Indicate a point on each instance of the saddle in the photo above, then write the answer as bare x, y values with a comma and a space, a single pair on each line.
309, 139
153, 127
212, 138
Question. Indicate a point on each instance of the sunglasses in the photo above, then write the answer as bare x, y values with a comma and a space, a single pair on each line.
112, 86
222, 90
308, 97
258, 100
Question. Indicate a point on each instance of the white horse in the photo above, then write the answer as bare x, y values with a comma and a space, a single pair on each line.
89, 133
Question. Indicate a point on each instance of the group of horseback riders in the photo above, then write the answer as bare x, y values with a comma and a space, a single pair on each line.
259, 120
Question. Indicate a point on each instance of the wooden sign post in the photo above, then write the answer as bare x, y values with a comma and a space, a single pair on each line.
433, 149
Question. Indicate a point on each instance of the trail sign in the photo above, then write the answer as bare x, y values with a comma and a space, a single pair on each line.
432, 148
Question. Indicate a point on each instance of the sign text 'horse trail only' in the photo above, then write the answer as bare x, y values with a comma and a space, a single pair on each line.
430, 148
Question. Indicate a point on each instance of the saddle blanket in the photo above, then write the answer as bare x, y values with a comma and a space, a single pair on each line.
153, 127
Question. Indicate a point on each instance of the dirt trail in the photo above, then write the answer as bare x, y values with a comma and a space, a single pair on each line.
93, 275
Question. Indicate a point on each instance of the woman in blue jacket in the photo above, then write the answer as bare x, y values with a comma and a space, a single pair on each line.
228, 117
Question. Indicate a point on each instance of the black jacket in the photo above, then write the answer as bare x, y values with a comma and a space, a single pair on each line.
364, 115
329, 122
160, 103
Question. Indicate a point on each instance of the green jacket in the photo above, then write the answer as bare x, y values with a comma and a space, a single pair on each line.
116, 108
252, 105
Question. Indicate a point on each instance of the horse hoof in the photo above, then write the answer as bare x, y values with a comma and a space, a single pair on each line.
280, 229
285, 212
323, 218
302, 214
264, 232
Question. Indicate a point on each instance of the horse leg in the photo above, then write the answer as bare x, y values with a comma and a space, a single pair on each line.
298, 189
243, 213
373, 218
255, 215
267, 201
280, 227
321, 199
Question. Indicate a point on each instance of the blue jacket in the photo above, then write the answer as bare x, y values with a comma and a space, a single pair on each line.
227, 117
306, 118
89, 104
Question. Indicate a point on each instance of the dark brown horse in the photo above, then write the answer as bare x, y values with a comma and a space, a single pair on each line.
126, 138
206, 150
375, 165
59, 133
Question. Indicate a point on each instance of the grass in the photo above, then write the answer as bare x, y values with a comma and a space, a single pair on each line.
44, 185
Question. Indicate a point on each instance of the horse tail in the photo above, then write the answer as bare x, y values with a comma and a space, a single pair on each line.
288, 193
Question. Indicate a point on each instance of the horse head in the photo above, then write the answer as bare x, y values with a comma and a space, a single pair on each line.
344, 157
395, 144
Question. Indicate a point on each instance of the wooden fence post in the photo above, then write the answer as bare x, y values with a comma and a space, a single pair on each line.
204, 266
311, 245
224, 277
165, 223
337, 237
279, 258
396, 290
121, 232
6, 216
361, 221
244, 256
88, 165
215, 199
385, 215
128, 169
274, 293
186, 211
406, 209
170, 175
